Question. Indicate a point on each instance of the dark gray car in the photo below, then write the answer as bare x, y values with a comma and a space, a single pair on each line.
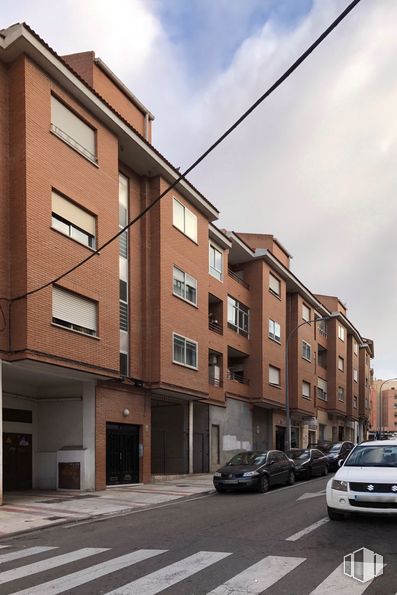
255, 470
308, 462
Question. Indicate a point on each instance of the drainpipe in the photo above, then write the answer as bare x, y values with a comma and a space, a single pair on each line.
190, 436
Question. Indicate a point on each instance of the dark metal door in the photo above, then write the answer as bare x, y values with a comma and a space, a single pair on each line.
122, 453
280, 438
17, 461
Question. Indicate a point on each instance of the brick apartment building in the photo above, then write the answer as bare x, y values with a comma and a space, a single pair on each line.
165, 353
386, 390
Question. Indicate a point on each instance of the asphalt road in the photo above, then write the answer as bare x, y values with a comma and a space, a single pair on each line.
243, 543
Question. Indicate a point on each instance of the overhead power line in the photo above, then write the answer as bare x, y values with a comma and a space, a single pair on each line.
183, 175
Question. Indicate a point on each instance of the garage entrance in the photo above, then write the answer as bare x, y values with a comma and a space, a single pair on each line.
122, 453
17, 462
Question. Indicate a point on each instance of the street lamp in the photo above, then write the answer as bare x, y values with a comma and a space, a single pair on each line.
287, 409
380, 424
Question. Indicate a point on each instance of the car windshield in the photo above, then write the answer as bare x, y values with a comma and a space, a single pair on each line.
299, 455
248, 458
335, 447
373, 456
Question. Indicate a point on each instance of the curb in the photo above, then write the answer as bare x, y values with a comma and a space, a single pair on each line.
104, 515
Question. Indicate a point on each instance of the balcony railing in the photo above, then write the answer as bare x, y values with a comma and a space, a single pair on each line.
237, 377
215, 381
233, 275
215, 326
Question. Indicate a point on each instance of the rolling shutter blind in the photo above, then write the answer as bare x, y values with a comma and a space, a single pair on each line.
72, 213
75, 309
76, 129
322, 384
274, 375
274, 284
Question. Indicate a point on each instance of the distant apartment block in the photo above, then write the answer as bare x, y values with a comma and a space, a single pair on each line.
165, 353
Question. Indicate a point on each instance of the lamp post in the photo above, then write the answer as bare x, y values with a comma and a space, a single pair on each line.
292, 332
380, 424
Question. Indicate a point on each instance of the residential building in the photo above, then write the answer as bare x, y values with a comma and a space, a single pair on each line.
164, 353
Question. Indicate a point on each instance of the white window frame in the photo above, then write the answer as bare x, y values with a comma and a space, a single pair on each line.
355, 375
273, 331
306, 345
306, 384
185, 284
277, 283
186, 213
355, 402
355, 347
341, 364
236, 309
274, 368
186, 340
218, 274
306, 317
341, 332
64, 211
341, 392
322, 389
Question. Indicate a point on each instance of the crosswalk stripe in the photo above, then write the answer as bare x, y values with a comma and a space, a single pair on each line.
259, 576
75, 579
30, 551
43, 565
307, 530
337, 582
170, 575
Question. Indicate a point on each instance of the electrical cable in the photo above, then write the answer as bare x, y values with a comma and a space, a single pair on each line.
183, 175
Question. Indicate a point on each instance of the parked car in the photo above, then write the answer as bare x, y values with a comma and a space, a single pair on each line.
255, 469
366, 482
338, 452
308, 462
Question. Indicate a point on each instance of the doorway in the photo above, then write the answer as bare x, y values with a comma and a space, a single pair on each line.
122, 454
280, 438
17, 462
215, 458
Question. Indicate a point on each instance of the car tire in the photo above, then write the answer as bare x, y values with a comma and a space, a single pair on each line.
334, 515
263, 485
291, 478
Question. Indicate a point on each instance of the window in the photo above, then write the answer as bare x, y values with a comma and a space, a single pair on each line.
274, 285
237, 316
355, 375
216, 262
341, 364
184, 286
355, 347
73, 311
341, 393
355, 402
184, 220
185, 351
321, 389
123, 364
306, 313
306, 390
341, 332
73, 221
72, 130
274, 331
322, 326
274, 376
306, 351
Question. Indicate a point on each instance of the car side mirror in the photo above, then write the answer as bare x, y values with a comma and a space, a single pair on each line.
340, 462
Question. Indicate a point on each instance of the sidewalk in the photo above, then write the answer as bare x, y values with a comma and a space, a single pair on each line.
26, 511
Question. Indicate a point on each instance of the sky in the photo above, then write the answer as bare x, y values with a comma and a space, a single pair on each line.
314, 165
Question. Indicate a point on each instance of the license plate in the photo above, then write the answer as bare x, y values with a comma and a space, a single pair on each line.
230, 481
390, 499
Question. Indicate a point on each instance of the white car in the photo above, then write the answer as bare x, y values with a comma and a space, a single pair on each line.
366, 481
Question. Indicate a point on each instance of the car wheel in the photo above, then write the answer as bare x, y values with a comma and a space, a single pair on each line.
263, 486
291, 478
334, 515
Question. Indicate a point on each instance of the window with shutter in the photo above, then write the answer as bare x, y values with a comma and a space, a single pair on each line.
73, 221
72, 130
74, 311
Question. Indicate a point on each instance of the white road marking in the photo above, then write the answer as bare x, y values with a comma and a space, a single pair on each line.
43, 565
307, 530
30, 551
3, 546
75, 579
337, 582
258, 577
309, 495
170, 575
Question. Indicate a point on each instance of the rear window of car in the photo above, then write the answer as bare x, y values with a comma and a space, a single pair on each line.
248, 458
373, 456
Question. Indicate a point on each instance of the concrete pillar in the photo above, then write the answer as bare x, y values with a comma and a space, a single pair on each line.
1, 434
88, 481
190, 436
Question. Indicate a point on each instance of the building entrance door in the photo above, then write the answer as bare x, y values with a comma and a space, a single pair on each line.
122, 453
280, 438
17, 462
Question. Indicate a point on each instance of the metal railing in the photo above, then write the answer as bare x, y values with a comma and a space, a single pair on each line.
215, 381
215, 326
237, 377
233, 275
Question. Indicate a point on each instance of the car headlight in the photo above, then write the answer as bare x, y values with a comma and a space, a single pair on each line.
340, 485
217, 474
250, 473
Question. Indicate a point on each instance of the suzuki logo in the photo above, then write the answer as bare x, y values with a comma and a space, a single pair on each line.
394, 488
370, 488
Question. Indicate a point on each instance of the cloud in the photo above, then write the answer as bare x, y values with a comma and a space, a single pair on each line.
314, 165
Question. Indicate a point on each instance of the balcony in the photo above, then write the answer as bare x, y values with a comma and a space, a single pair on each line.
237, 376
214, 326
215, 314
215, 381
236, 366
238, 278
